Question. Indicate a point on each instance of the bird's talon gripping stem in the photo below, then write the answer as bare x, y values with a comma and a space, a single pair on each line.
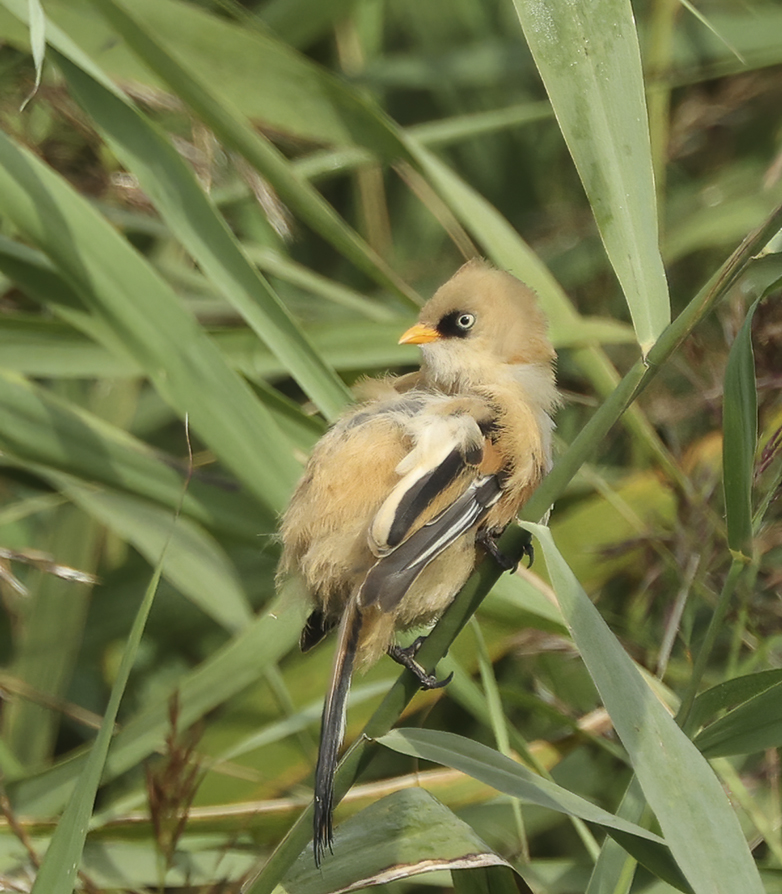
489, 543
528, 549
406, 657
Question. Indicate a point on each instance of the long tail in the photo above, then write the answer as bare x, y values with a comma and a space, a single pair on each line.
332, 728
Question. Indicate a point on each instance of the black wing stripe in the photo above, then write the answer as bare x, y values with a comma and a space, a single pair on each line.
421, 494
390, 577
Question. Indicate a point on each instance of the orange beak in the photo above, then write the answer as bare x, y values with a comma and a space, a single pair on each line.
420, 334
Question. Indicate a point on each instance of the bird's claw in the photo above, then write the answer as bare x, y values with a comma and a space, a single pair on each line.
489, 543
406, 657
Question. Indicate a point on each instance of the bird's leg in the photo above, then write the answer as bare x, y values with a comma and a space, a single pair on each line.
489, 542
406, 657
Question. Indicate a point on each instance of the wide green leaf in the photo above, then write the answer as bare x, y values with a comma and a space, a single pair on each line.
701, 829
614, 870
753, 726
731, 693
398, 837
590, 62
510, 777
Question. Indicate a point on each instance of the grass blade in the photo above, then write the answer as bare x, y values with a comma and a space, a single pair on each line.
510, 777
232, 668
233, 130
695, 816
753, 726
740, 438
58, 870
48, 638
590, 62
194, 562
193, 219
46, 434
144, 318
398, 837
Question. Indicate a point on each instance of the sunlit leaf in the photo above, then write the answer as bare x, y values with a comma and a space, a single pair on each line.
510, 777
590, 62
702, 830
398, 837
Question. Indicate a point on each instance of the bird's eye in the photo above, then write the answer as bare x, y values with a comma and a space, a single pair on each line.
456, 324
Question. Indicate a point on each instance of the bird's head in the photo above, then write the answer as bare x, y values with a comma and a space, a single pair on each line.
480, 326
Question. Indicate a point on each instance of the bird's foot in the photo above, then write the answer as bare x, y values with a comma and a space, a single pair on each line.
487, 540
406, 657
528, 549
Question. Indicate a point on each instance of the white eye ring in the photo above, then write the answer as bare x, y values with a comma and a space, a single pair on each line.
465, 321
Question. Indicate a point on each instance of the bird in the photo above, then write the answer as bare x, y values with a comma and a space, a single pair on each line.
412, 486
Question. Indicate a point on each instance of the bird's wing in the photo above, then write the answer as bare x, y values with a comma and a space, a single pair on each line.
447, 453
448, 484
392, 576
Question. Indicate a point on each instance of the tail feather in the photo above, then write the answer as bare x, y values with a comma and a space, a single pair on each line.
332, 728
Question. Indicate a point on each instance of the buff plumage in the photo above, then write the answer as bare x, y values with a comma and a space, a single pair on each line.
405, 493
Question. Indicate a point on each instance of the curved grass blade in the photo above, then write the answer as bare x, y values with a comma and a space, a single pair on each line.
37, 19
194, 562
398, 837
193, 219
695, 816
732, 693
46, 434
235, 132
590, 62
753, 726
510, 777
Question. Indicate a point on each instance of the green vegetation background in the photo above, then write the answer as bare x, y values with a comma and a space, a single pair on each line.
214, 218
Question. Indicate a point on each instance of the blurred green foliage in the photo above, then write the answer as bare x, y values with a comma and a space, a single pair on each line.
214, 217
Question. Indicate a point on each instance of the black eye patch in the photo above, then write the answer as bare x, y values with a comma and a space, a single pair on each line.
456, 324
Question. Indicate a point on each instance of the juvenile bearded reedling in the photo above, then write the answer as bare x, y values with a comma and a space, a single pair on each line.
410, 487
